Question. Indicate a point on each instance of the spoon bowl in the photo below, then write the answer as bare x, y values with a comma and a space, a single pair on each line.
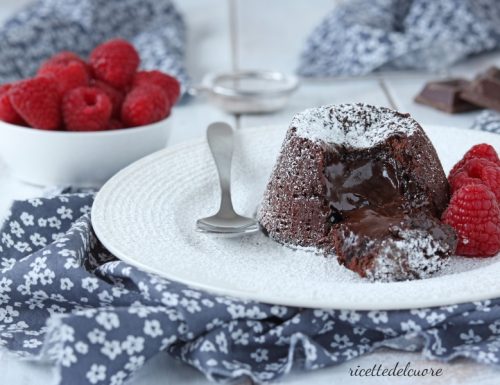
236, 225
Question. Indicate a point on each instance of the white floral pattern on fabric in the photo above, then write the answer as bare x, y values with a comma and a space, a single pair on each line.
100, 319
487, 121
45, 27
361, 36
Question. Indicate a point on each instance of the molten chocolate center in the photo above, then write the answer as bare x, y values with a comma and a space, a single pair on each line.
366, 192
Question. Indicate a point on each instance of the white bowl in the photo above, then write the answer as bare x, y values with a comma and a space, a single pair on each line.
82, 159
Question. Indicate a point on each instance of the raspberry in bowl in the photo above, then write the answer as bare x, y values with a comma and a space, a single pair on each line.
78, 123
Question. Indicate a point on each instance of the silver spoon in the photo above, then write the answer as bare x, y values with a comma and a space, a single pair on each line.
226, 221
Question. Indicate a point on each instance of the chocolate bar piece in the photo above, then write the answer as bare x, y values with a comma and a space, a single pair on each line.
484, 91
445, 95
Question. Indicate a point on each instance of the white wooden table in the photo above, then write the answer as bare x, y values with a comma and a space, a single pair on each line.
263, 34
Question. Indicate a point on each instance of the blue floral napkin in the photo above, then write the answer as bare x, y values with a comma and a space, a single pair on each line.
65, 298
487, 120
361, 36
48, 26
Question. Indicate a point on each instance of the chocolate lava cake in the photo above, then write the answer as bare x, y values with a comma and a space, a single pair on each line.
363, 183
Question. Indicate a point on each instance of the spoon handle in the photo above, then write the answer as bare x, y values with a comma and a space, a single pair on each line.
220, 141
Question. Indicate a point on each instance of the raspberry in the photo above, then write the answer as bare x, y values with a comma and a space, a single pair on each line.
168, 83
37, 101
7, 112
116, 96
461, 179
483, 150
477, 170
63, 57
144, 105
490, 175
474, 213
86, 109
67, 75
115, 62
115, 124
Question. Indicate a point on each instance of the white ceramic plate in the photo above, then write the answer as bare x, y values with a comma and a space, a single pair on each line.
146, 214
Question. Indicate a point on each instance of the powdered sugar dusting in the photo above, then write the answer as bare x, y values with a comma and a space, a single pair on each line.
416, 254
355, 125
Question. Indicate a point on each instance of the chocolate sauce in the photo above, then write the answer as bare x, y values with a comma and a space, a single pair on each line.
377, 222
365, 192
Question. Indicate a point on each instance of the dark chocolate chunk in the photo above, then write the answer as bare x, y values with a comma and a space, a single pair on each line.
445, 95
484, 91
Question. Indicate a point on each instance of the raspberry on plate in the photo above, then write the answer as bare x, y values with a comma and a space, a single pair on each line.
115, 62
475, 215
490, 175
483, 151
168, 83
86, 109
461, 179
477, 170
7, 112
67, 75
145, 104
37, 101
